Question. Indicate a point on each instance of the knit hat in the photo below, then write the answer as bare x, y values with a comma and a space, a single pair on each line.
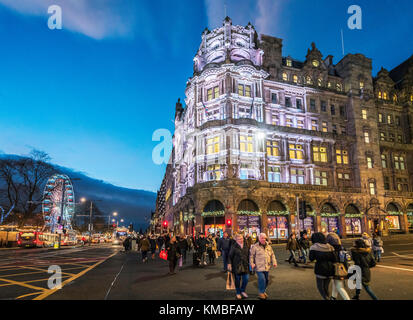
333, 239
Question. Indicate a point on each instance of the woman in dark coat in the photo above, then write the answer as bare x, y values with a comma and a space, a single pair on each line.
325, 257
239, 265
363, 258
174, 253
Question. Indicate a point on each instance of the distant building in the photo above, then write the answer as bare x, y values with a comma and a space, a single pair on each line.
260, 131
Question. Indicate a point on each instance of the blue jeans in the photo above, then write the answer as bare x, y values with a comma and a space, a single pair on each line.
377, 254
238, 286
304, 254
368, 290
225, 255
262, 281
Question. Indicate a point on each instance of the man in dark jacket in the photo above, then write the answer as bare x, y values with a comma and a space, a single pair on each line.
224, 246
304, 244
183, 246
160, 242
201, 248
293, 247
152, 241
325, 258
173, 254
363, 258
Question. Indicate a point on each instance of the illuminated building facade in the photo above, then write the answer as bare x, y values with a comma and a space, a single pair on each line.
260, 131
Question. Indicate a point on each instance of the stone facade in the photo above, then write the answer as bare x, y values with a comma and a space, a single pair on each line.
261, 132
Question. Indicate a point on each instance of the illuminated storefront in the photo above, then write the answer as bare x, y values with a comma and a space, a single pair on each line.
214, 218
352, 219
393, 217
410, 217
329, 218
249, 218
278, 226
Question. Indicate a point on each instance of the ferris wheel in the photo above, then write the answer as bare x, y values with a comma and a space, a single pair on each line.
58, 194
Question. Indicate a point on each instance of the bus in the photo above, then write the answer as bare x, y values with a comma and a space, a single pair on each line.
69, 238
36, 239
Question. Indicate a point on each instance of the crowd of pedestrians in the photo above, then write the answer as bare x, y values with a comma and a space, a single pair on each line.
242, 257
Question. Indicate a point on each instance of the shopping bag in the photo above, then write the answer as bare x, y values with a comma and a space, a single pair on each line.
163, 255
230, 281
180, 262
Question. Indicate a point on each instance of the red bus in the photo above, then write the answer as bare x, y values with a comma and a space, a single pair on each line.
35, 239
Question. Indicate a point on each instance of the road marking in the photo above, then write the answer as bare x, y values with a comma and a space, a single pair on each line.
28, 295
51, 291
47, 271
400, 256
401, 244
22, 284
395, 268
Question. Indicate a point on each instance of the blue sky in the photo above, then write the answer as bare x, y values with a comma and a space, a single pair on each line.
92, 94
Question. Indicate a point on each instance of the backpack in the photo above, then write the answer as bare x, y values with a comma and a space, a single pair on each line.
344, 256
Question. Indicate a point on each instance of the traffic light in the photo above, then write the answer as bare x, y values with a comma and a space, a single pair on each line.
165, 224
59, 219
114, 225
302, 213
229, 223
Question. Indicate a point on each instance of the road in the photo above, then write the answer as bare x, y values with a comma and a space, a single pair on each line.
104, 272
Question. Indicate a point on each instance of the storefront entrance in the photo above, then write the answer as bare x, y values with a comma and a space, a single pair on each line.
214, 225
353, 226
329, 224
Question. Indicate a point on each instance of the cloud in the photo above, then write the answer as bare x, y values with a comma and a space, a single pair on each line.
96, 19
262, 14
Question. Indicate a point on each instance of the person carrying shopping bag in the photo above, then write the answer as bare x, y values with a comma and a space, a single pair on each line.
262, 258
239, 265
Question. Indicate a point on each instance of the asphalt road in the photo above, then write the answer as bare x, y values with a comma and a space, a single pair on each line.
103, 272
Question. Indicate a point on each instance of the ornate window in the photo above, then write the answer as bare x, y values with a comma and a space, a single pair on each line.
341, 156
308, 80
295, 78
319, 82
213, 172
273, 149
321, 178
274, 174
244, 90
385, 95
246, 143
289, 63
285, 77
369, 162
296, 151
314, 125
339, 87
324, 126
366, 137
364, 114
380, 117
212, 93
297, 176
372, 188
399, 163
319, 154
383, 161
361, 84
246, 171
213, 145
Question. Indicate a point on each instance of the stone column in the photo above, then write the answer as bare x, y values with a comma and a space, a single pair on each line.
404, 223
264, 221
342, 220
317, 223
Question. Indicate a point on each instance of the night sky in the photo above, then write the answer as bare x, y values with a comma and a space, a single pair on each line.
92, 94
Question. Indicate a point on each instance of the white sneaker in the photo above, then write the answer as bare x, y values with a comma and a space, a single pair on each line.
244, 294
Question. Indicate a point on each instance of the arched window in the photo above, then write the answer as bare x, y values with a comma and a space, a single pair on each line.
309, 80
285, 77
295, 78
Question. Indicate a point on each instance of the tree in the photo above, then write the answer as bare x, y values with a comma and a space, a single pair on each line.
22, 181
